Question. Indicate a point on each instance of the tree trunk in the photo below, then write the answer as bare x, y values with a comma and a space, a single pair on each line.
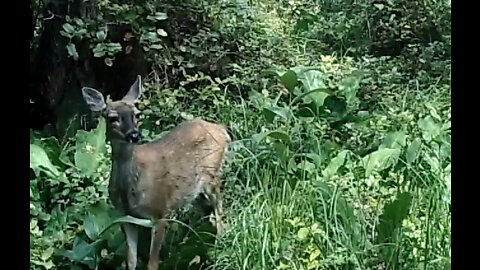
56, 79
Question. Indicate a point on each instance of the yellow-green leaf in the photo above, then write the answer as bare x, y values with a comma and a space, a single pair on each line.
314, 255
46, 254
302, 233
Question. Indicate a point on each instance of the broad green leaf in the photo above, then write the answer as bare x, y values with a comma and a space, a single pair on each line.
101, 35
430, 128
413, 150
162, 32
91, 227
281, 150
317, 159
394, 140
316, 96
283, 266
314, 255
46, 264
270, 112
379, 160
302, 233
90, 145
39, 161
83, 252
445, 151
335, 164
49, 265
289, 80
79, 21
276, 134
47, 254
306, 166
312, 81
313, 265
160, 16
392, 217
379, 6
129, 219
433, 161
68, 28
349, 88
99, 218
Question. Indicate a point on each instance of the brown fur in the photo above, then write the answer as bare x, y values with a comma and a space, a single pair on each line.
151, 180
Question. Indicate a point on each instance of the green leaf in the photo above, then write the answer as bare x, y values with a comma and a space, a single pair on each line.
392, 217
276, 134
113, 47
394, 140
99, 50
195, 260
335, 164
101, 35
379, 6
270, 112
129, 219
413, 150
79, 21
68, 28
445, 151
430, 128
91, 227
72, 51
349, 88
39, 161
160, 16
312, 79
289, 80
90, 145
281, 150
314, 255
380, 160
47, 254
161, 32
302, 233
306, 166
83, 252
316, 96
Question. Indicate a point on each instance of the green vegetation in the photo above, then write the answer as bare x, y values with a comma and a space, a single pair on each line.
340, 115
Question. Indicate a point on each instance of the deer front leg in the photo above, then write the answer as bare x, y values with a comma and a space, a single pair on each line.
216, 200
158, 232
131, 234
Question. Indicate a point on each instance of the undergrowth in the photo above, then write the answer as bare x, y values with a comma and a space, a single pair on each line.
341, 151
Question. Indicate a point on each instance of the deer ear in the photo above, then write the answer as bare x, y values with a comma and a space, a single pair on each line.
94, 99
135, 91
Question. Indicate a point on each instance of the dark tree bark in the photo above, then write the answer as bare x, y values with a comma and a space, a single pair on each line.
50, 62
56, 79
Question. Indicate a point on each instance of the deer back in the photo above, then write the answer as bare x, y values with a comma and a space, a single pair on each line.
173, 170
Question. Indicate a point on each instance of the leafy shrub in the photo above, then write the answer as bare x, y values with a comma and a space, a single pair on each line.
340, 114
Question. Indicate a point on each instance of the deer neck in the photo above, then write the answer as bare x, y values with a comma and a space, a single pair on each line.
124, 174
122, 152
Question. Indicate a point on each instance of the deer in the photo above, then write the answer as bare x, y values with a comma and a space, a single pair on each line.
151, 180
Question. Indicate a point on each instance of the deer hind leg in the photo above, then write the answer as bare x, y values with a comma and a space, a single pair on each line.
131, 235
158, 233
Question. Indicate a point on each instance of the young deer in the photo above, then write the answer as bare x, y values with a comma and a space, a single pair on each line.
151, 180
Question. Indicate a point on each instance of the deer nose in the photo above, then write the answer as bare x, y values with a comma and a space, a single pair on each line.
133, 136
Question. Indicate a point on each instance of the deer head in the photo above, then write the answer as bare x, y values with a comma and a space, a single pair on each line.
121, 115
